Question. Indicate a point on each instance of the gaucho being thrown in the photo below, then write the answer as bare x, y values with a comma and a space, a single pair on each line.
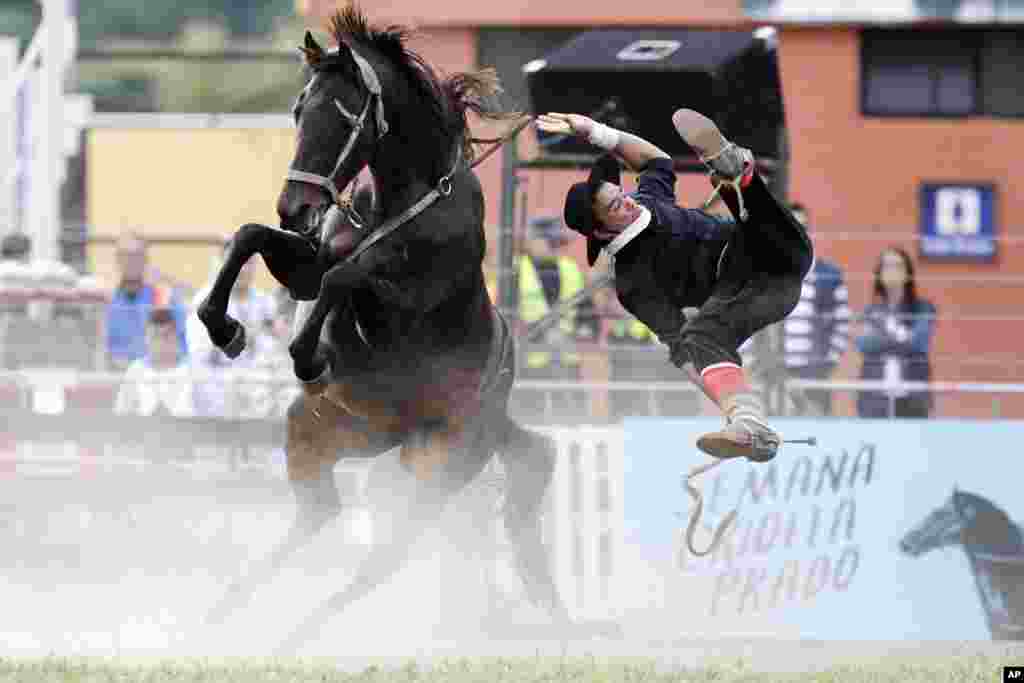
742, 275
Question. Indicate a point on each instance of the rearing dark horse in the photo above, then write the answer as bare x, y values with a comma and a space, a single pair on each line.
401, 344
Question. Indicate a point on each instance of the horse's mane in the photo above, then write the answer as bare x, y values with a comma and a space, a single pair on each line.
444, 101
990, 520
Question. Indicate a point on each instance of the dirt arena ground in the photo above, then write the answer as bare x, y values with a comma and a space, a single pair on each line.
116, 618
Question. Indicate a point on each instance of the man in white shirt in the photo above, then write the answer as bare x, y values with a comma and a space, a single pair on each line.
159, 383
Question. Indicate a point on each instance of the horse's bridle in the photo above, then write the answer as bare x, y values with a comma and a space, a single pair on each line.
372, 85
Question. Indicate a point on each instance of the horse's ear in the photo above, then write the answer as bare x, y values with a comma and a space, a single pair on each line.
312, 50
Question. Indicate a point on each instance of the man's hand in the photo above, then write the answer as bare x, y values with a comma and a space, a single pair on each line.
634, 151
565, 124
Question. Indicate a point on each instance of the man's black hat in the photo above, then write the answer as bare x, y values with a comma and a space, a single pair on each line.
579, 202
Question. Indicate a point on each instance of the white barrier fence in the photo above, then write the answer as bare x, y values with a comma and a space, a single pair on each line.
582, 518
254, 393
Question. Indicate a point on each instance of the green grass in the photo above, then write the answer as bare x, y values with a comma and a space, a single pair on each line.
511, 670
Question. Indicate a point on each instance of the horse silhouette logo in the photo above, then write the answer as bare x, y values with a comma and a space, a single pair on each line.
995, 550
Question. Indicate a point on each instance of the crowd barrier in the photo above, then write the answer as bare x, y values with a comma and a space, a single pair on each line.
259, 394
64, 334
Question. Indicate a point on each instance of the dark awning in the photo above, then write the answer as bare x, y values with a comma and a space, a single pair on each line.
635, 79
648, 50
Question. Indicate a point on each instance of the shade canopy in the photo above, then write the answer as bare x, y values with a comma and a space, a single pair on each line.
635, 79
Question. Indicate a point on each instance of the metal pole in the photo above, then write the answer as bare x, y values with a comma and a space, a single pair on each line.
508, 286
46, 183
8, 111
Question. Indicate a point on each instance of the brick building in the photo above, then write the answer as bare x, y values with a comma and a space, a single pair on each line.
864, 129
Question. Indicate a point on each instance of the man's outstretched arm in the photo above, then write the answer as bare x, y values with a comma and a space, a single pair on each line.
632, 149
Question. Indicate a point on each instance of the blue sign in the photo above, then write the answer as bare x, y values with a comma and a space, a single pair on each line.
958, 221
887, 530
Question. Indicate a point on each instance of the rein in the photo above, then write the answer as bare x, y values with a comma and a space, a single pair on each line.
374, 102
698, 500
497, 143
443, 189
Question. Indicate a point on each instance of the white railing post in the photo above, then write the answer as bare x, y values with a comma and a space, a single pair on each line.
8, 111
45, 225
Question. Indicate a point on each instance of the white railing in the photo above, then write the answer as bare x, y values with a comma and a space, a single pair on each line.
43, 390
899, 387
34, 168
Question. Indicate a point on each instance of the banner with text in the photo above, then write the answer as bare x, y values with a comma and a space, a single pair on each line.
884, 530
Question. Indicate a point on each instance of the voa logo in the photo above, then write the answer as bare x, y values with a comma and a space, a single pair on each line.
958, 211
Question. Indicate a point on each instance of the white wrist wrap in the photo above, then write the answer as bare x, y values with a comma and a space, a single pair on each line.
603, 136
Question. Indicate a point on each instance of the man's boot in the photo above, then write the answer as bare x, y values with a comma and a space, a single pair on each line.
746, 433
730, 165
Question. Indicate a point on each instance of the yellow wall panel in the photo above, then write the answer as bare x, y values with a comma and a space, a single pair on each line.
192, 184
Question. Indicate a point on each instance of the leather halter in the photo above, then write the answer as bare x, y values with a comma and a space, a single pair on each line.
442, 189
372, 84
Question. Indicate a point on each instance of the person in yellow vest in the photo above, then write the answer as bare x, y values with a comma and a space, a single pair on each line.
491, 282
545, 278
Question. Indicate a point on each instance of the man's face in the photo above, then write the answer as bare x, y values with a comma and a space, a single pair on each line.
131, 259
539, 248
162, 339
614, 209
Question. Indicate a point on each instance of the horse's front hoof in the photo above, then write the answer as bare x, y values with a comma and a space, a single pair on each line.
233, 349
315, 376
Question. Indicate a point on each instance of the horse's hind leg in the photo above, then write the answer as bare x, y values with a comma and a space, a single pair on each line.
290, 258
438, 466
529, 461
319, 434
433, 469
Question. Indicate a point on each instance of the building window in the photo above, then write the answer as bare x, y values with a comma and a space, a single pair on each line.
1002, 59
941, 73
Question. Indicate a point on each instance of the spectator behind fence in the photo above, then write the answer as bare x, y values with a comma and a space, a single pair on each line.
895, 337
159, 383
816, 332
223, 391
547, 277
133, 301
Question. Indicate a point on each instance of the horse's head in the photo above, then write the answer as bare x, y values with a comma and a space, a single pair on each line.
340, 119
940, 528
342, 126
966, 519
